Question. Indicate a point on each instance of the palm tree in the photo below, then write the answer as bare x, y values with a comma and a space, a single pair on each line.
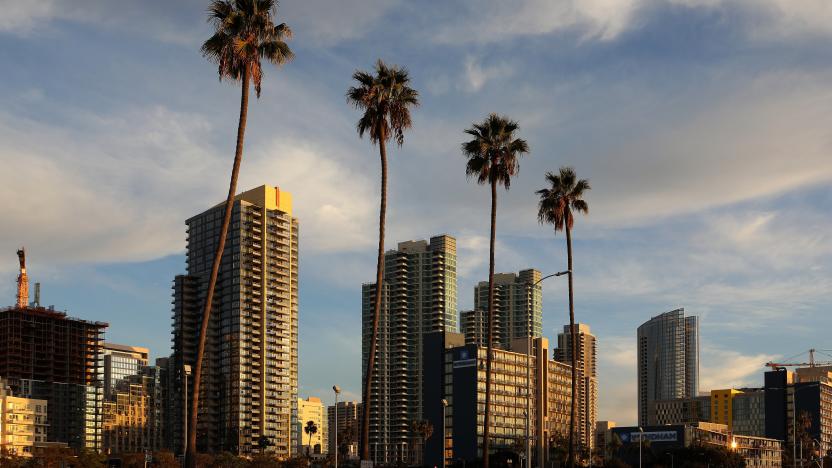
310, 429
244, 34
386, 99
556, 206
492, 159
422, 429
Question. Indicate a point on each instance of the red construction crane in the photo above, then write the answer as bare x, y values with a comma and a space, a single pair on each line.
811, 363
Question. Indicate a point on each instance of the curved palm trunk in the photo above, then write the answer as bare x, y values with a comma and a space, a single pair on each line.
365, 421
486, 444
190, 454
574, 347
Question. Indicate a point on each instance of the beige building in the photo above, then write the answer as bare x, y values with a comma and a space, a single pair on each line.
587, 390
316, 444
250, 373
22, 423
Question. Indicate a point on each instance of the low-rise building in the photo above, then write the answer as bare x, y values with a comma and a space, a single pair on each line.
313, 439
22, 423
757, 452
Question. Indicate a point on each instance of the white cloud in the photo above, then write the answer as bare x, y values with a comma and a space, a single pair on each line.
722, 368
20, 17
327, 22
617, 379
476, 75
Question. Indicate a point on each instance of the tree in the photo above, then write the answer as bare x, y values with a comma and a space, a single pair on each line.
310, 429
386, 98
244, 34
423, 430
346, 438
492, 159
165, 459
556, 207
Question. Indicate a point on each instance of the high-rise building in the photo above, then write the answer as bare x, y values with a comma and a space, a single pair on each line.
348, 414
46, 355
668, 359
314, 444
22, 423
587, 390
603, 439
799, 403
518, 310
250, 372
134, 419
419, 296
120, 362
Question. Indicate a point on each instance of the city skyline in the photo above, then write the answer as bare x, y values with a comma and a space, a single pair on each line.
684, 142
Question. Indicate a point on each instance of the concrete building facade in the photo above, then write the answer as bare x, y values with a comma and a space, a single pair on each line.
518, 310
668, 359
348, 414
23, 423
46, 355
315, 444
419, 296
250, 373
530, 399
587, 409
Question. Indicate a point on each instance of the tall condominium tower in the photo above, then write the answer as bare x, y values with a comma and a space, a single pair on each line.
518, 310
250, 373
587, 404
668, 359
419, 296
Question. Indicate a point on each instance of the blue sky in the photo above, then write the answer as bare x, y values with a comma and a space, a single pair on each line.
702, 125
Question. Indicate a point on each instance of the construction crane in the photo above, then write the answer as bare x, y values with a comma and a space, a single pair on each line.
811, 363
22, 280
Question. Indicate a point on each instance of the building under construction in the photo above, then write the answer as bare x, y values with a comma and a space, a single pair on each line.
44, 354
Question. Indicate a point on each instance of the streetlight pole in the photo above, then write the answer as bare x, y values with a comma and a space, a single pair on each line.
640, 444
337, 391
444, 405
529, 289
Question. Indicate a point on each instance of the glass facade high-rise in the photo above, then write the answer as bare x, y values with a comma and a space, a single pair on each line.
518, 310
250, 372
120, 362
668, 360
419, 296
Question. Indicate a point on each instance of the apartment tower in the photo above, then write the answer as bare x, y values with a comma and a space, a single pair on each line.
587, 390
668, 360
250, 372
419, 296
518, 310
347, 414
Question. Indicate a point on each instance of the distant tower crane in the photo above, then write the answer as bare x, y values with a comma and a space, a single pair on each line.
811, 363
22, 280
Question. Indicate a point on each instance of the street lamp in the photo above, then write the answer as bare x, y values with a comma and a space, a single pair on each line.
337, 391
529, 289
640, 444
444, 405
672, 461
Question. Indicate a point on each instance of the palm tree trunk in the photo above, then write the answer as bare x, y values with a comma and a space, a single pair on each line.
190, 454
365, 421
574, 347
486, 445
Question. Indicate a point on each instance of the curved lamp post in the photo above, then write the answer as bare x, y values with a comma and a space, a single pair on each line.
337, 391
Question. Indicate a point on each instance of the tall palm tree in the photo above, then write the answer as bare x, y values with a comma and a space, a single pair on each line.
244, 34
493, 156
386, 98
310, 429
557, 204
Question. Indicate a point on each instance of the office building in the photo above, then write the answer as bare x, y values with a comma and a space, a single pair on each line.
530, 398
314, 444
250, 373
749, 412
22, 423
757, 452
46, 355
588, 381
603, 439
668, 359
419, 296
679, 411
120, 362
348, 414
518, 310
804, 398
134, 416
